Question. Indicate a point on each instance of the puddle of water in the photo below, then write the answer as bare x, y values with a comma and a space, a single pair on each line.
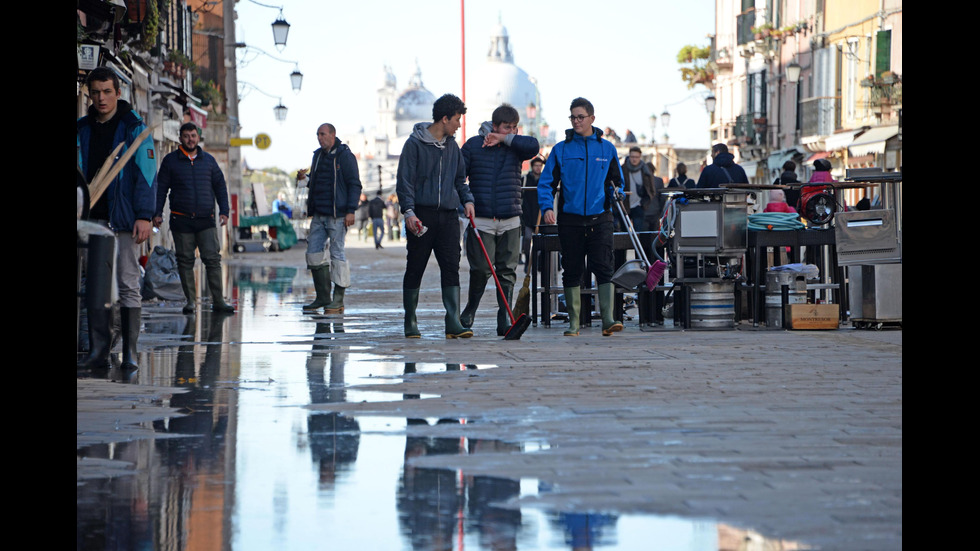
248, 466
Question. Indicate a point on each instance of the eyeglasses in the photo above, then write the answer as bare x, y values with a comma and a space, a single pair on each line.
579, 118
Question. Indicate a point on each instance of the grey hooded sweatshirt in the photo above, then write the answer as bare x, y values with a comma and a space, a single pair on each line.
431, 173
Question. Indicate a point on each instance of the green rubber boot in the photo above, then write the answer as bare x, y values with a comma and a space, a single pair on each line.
454, 329
189, 288
573, 303
337, 305
607, 298
410, 300
218, 303
321, 283
468, 314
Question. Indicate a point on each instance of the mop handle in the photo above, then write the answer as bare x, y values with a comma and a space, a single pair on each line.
493, 272
632, 231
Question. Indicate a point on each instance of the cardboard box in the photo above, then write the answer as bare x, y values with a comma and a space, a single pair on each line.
814, 316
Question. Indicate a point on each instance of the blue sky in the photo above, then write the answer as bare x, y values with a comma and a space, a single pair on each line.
622, 56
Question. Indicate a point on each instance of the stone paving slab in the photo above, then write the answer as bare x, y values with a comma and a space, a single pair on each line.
794, 434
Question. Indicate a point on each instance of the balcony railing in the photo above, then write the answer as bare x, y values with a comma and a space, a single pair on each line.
743, 27
820, 115
750, 130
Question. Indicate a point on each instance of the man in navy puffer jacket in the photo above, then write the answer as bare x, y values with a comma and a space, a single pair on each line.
493, 165
195, 183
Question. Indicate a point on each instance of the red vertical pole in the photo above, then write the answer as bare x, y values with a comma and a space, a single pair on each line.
462, 49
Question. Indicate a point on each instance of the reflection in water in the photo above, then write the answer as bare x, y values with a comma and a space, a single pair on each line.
333, 438
176, 498
233, 472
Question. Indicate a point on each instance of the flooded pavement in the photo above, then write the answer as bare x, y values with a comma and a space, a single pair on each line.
271, 429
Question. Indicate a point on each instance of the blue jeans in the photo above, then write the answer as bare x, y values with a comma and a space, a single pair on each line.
324, 231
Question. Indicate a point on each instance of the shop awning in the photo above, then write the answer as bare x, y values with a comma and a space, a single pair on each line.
777, 158
815, 156
198, 116
873, 141
842, 139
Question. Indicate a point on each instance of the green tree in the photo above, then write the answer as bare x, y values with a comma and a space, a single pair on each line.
697, 67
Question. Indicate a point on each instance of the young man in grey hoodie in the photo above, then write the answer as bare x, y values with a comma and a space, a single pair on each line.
431, 187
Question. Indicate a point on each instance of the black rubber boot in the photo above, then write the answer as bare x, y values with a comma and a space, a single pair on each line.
218, 303
130, 336
503, 318
474, 295
321, 283
98, 295
189, 287
454, 329
410, 300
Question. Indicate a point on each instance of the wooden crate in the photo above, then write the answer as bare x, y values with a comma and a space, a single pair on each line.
814, 316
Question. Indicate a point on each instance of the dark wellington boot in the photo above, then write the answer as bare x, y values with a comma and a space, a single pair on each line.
410, 300
130, 337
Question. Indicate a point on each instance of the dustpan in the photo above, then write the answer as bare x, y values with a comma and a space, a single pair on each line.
634, 272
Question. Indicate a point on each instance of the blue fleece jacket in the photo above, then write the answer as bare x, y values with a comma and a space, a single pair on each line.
586, 170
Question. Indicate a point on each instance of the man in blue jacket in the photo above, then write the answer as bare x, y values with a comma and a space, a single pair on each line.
493, 165
431, 187
335, 189
195, 183
722, 170
584, 170
126, 207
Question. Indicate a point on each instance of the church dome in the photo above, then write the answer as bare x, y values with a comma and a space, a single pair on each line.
499, 81
415, 102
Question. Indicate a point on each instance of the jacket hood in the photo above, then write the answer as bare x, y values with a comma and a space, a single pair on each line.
421, 132
123, 108
724, 159
337, 146
570, 133
486, 128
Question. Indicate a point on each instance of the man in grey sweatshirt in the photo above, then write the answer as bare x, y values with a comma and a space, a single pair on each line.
431, 187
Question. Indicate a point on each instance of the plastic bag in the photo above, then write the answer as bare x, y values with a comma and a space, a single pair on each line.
161, 279
811, 271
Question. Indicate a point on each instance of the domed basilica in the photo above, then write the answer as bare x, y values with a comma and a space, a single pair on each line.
494, 82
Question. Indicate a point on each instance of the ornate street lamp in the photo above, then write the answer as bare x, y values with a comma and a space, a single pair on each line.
709, 104
793, 70
280, 30
280, 111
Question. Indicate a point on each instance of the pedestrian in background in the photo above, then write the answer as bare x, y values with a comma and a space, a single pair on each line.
681, 181
531, 214
392, 218
654, 206
363, 217
431, 187
194, 182
637, 179
334, 188
493, 165
126, 207
376, 210
722, 170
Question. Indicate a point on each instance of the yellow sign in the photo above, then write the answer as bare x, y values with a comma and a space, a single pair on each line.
263, 141
238, 142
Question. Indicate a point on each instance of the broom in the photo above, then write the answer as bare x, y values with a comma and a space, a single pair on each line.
523, 303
